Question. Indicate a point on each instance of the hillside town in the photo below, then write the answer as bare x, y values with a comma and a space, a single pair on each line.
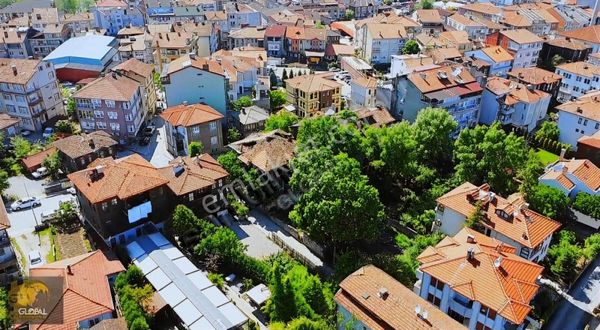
300, 164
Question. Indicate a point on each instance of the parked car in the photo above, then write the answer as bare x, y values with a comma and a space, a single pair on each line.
35, 259
25, 132
149, 130
48, 131
72, 191
25, 203
40, 173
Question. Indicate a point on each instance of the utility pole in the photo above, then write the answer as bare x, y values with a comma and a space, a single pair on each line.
34, 217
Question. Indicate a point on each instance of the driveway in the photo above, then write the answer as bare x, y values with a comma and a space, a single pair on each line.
258, 244
156, 151
22, 187
574, 311
24, 221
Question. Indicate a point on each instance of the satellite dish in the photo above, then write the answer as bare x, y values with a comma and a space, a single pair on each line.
425, 315
418, 309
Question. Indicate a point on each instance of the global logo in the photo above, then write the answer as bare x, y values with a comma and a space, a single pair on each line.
26, 298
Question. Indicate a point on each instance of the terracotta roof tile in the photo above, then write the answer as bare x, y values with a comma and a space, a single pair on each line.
429, 16
580, 68
585, 106
196, 62
589, 33
266, 151
25, 70
582, 169
7, 121
507, 289
190, 114
36, 159
429, 80
313, 83
110, 87
535, 76
76, 146
376, 116
527, 227
515, 92
136, 66
359, 294
497, 54
521, 36
198, 173
121, 178
87, 292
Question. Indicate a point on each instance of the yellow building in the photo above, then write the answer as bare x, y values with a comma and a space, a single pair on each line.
313, 95
168, 46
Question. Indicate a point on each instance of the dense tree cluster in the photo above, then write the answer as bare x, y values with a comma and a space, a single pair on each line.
282, 120
134, 296
587, 204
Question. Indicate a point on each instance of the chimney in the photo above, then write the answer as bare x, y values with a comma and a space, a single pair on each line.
498, 262
205, 66
14, 69
563, 151
470, 253
383, 293
92, 144
69, 270
470, 239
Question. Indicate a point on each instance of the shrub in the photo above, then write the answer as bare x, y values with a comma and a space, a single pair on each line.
217, 280
588, 204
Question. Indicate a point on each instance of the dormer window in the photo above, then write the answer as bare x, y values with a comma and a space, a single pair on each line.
502, 214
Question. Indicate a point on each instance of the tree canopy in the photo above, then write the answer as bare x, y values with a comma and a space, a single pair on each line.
282, 120
277, 99
587, 204
411, 47
242, 102
563, 256
549, 201
549, 130
195, 148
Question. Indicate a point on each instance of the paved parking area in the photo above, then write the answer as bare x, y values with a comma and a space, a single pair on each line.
22, 187
156, 151
24, 221
258, 244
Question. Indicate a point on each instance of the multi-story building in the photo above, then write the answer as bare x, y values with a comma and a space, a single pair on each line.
430, 20
369, 299
78, 22
30, 92
170, 46
477, 31
512, 103
449, 87
114, 104
362, 8
405, 64
187, 123
590, 35
194, 80
206, 35
275, 40
76, 152
540, 79
14, 43
481, 10
9, 266
499, 60
247, 36
45, 40
578, 78
570, 17
363, 91
478, 281
579, 118
381, 41
118, 212
144, 74
507, 220
456, 39
23, 8
241, 15
570, 50
314, 94
522, 44
113, 15
572, 176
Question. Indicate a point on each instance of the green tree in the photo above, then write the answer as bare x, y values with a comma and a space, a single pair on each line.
488, 154
349, 15
420, 223
475, 219
52, 164
549, 130
529, 174
411, 47
405, 265
232, 164
233, 135
195, 148
282, 120
591, 246
242, 102
277, 99
5, 321
156, 80
4, 184
71, 108
273, 78
549, 201
22, 147
183, 221
222, 245
329, 131
279, 307
64, 126
557, 60
340, 207
426, 4
292, 73
217, 280
564, 256
284, 77
433, 130
587, 204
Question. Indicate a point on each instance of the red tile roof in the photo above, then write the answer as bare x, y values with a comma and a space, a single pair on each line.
121, 178
198, 173
525, 226
86, 290
275, 31
359, 294
494, 276
35, 161
190, 115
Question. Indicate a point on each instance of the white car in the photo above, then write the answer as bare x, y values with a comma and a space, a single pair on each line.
35, 259
40, 173
25, 203
25, 132
48, 131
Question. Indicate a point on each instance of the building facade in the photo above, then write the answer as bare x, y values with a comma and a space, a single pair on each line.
313, 94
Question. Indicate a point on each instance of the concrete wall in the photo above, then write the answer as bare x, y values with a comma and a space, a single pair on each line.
192, 85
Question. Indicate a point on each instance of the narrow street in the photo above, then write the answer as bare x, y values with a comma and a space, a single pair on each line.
574, 312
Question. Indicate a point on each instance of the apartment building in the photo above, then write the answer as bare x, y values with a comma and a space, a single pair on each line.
14, 43
512, 103
449, 87
313, 94
499, 60
381, 41
368, 299
572, 176
144, 74
478, 281
363, 91
206, 34
275, 40
477, 31
578, 78
481, 10
47, 39
241, 15
570, 17
169, 46
570, 50
247, 36
409, 63
30, 92
508, 220
113, 15
430, 20
187, 123
579, 118
78, 22
194, 80
590, 35
522, 44
118, 212
539, 79
114, 104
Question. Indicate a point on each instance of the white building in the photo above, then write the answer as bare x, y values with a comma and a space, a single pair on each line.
507, 220
523, 45
363, 91
512, 103
405, 64
572, 177
578, 79
477, 31
30, 92
579, 118
113, 15
478, 281
381, 41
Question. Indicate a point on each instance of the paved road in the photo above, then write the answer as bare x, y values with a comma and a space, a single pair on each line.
156, 151
575, 312
24, 221
23, 187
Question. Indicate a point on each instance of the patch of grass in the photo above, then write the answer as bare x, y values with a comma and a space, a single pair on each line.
54, 253
19, 252
546, 157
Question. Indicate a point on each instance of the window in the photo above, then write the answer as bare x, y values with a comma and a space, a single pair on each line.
579, 120
437, 283
7, 97
481, 326
128, 117
130, 128
115, 126
98, 114
110, 103
96, 103
104, 206
585, 122
101, 125
214, 140
213, 126
11, 108
23, 110
112, 115
113, 201
191, 196
19, 98
196, 129
597, 125
434, 300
